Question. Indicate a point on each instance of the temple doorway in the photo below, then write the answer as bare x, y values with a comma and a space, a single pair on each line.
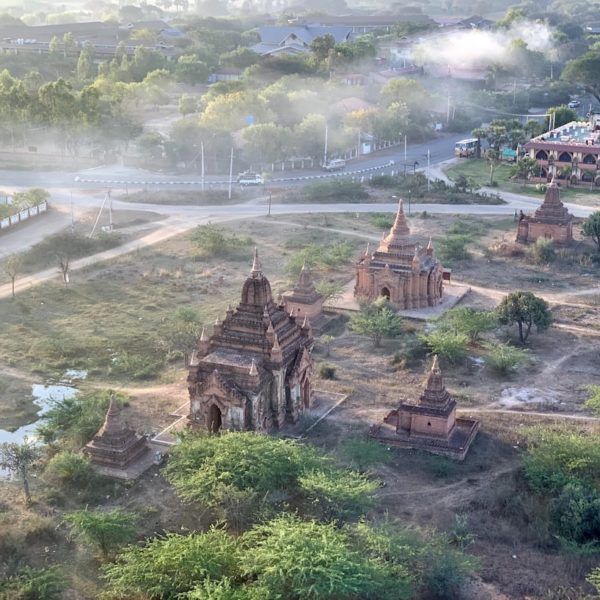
385, 293
215, 419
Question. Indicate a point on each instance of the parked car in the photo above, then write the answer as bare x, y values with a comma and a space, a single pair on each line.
574, 104
337, 164
249, 178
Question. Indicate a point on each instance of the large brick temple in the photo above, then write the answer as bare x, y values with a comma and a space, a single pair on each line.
429, 424
551, 221
409, 276
254, 372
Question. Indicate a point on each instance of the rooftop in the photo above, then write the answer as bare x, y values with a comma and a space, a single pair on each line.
576, 132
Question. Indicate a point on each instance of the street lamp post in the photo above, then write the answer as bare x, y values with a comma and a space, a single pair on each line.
409, 198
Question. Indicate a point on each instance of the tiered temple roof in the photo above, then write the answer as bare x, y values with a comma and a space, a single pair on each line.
552, 210
304, 291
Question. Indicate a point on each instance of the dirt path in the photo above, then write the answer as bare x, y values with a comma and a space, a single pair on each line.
508, 411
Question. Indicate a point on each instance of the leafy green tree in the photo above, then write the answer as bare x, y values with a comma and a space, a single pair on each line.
168, 567
447, 344
338, 495
559, 115
12, 266
70, 469
556, 458
201, 464
523, 168
188, 105
467, 320
377, 321
85, 63
266, 143
107, 530
584, 70
18, 460
526, 310
322, 46
591, 228
190, 69
594, 579
576, 514
300, 560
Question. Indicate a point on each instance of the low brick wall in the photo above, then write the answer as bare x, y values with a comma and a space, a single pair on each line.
22, 216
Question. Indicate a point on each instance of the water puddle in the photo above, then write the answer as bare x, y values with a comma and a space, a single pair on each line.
43, 396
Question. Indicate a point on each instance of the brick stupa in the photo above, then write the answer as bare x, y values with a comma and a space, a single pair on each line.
304, 301
400, 270
115, 445
430, 424
551, 221
255, 371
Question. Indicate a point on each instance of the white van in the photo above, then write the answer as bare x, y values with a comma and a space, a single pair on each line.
250, 179
337, 164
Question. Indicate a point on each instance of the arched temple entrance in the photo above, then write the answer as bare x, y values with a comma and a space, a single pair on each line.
215, 419
385, 292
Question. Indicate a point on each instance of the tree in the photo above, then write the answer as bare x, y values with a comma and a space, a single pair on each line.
523, 168
322, 46
264, 143
188, 105
18, 460
593, 401
34, 584
524, 309
377, 320
559, 116
85, 63
469, 321
480, 133
591, 228
12, 267
108, 530
168, 567
584, 70
338, 495
190, 69
300, 560
447, 344
493, 158
504, 358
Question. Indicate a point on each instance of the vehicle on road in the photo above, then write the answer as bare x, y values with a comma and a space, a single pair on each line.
337, 164
466, 148
249, 178
574, 104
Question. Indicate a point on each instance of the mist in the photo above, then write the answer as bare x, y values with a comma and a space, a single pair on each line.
479, 48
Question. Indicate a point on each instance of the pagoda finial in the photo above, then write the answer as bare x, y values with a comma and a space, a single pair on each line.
253, 370
434, 381
217, 320
203, 337
367, 251
255, 264
430, 246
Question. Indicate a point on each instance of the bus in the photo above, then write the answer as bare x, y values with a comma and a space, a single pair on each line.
466, 148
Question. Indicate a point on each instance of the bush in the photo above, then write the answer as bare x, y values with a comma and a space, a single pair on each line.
338, 495
377, 320
364, 453
576, 514
214, 240
542, 252
448, 345
70, 469
319, 257
471, 322
137, 366
34, 584
383, 181
453, 247
593, 402
382, 220
326, 372
504, 358
336, 190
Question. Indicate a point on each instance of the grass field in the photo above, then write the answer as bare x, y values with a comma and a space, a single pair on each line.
479, 171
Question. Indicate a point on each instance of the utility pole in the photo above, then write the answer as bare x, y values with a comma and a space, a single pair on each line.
326, 140
230, 172
270, 198
515, 91
72, 215
202, 164
428, 165
448, 109
110, 216
405, 149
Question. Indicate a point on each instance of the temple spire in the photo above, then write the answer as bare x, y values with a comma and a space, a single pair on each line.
255, 271
253, 370
112, 421
400, 226
434, 381
203, 337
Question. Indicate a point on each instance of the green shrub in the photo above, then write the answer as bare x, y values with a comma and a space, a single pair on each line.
214, 240
542, 252
504, 358
364, 453
453, 248
469, 321
448, 345
336, 190
382, 220
383, 181
326, 371
593, 401
70, 469
34, 584
136, 366
320, 257
338, 495
576, 514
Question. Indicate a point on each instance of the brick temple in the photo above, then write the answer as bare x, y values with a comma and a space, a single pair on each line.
255, 371
305, 301
551, 221
115, 445
430, 424
400, 270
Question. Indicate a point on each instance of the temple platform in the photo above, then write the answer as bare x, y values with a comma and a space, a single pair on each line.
453, 294
455, 446
153, 456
